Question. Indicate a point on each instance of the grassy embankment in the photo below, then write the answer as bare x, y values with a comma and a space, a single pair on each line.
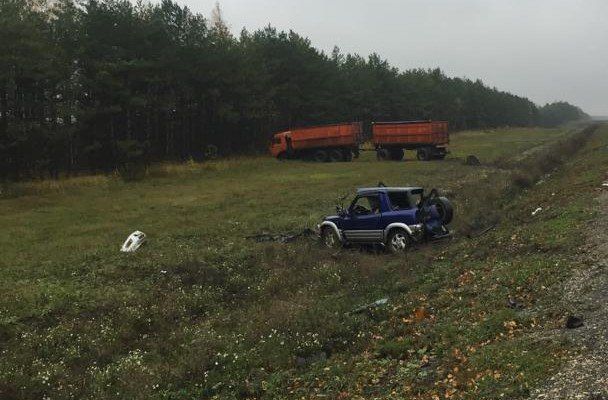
202, 311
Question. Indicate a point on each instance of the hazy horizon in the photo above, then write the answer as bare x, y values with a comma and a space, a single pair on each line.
544, 50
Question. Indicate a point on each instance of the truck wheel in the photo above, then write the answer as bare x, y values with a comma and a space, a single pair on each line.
329, 238
336, 155
424, 154
319, 156
382, 154
444, 208
397, 154
282, 156
398, 241
348, 155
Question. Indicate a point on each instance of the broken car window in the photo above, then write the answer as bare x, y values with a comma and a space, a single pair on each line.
399, 200
365, 205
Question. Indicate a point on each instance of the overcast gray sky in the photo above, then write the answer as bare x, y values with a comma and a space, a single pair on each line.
545, 50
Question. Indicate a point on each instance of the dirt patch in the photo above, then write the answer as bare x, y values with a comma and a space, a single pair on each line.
585, 374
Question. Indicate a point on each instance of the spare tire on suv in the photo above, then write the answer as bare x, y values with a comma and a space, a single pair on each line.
444, 208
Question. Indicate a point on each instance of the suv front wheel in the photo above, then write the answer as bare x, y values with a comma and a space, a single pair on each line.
398, 241
329, 238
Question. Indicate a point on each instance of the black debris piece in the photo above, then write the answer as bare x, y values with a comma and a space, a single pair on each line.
514, 304
481, 232
574, 322
472, 160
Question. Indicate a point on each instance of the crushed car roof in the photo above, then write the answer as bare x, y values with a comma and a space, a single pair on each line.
388, 189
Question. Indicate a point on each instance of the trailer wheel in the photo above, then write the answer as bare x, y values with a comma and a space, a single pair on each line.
397, 154
319, 156
336, 155
347, 155
424, 154
382, 154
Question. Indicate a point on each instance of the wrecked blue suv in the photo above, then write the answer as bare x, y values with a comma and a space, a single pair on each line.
394, 217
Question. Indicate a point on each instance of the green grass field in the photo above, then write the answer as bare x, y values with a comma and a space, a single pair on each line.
202, 311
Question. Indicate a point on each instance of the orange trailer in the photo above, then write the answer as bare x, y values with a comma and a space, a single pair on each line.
337, 142
428, 138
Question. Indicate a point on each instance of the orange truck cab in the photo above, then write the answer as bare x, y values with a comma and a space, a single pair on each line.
336, 142
278, 144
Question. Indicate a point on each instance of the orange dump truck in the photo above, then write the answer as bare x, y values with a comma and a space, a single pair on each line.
428, 138
336, 142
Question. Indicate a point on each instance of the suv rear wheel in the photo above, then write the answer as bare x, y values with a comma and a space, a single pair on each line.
398, 241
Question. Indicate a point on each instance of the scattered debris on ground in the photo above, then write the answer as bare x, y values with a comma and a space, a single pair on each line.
574, 322
375, 304
282, 237
133, 242
481, 232
514, 304
472, 160
538, 210
543, 179
305, 361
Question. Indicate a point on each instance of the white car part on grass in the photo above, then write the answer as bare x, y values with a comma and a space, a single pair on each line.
133, 242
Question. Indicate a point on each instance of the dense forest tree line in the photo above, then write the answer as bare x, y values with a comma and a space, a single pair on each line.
95, 85
560, 112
